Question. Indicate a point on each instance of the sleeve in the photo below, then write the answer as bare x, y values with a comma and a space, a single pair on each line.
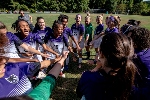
82, 84
44, 89
71, 27
16, 40
18, 17
116, 30
38, 39
70, 32
65, 39
82, 30
46, 38
100, 29
29, 68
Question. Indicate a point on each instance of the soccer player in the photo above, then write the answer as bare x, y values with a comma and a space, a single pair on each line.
57, 41
27, 18
68, 32
88, 35
13, 41
14, 76
31, 39
78, 33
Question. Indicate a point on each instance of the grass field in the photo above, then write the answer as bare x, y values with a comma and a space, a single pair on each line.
8, 19
65, 87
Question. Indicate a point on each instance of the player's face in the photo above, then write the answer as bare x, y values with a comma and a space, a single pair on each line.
65, 22
3, 31
59, 30
87, 21
24, 28
2, 67
78, 18
110, 23
98, 20
22, 13
41, 23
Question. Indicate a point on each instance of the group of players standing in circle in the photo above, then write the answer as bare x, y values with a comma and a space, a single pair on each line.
114, 76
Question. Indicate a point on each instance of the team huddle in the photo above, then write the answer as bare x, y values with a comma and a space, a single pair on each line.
29, 53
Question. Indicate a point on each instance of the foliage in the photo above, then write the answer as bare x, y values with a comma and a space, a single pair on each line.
138, 8
121, 6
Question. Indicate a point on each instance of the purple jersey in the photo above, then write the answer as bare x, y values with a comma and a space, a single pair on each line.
15, 82
32, 40
77, 31
42, 33
93, 86
68, 32
144, 57
57, 44
113, 30
99, 29
10, 49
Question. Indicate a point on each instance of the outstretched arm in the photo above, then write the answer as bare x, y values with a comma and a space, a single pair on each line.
49, 50
78, 47
28, 48
15, 60
44, 89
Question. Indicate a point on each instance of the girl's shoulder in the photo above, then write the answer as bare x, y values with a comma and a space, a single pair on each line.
92, 76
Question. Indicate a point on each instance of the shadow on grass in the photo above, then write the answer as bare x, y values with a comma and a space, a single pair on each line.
65, 88
74, 69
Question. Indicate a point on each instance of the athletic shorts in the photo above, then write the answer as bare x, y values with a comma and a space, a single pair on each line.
97, 42
81, 44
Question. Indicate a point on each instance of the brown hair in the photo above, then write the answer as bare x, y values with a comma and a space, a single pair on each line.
3, 38
117, 50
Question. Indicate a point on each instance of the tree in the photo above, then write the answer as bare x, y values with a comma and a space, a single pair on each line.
96, 4
14, 5
121, 8
138, 8
111, 5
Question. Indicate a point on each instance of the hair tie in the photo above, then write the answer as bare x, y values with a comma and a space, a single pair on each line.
112, 18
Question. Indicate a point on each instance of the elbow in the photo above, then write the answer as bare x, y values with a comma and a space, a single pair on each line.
45, 48
27, 48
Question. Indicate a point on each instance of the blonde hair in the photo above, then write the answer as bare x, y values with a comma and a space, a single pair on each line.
88, 14
100, 17
87, 17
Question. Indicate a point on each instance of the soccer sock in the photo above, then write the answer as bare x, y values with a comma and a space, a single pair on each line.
88, 54
96, 57
67, 61
80, 60
62, 69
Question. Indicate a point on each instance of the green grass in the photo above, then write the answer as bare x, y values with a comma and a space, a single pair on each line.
65, 87
8, 19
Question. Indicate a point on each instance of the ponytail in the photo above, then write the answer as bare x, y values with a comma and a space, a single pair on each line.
117, 51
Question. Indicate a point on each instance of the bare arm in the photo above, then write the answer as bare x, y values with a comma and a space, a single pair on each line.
99, 35
49, 49
78, 47
15, 60
56, 69
87, 37
28, 48
80, 38
46, 63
